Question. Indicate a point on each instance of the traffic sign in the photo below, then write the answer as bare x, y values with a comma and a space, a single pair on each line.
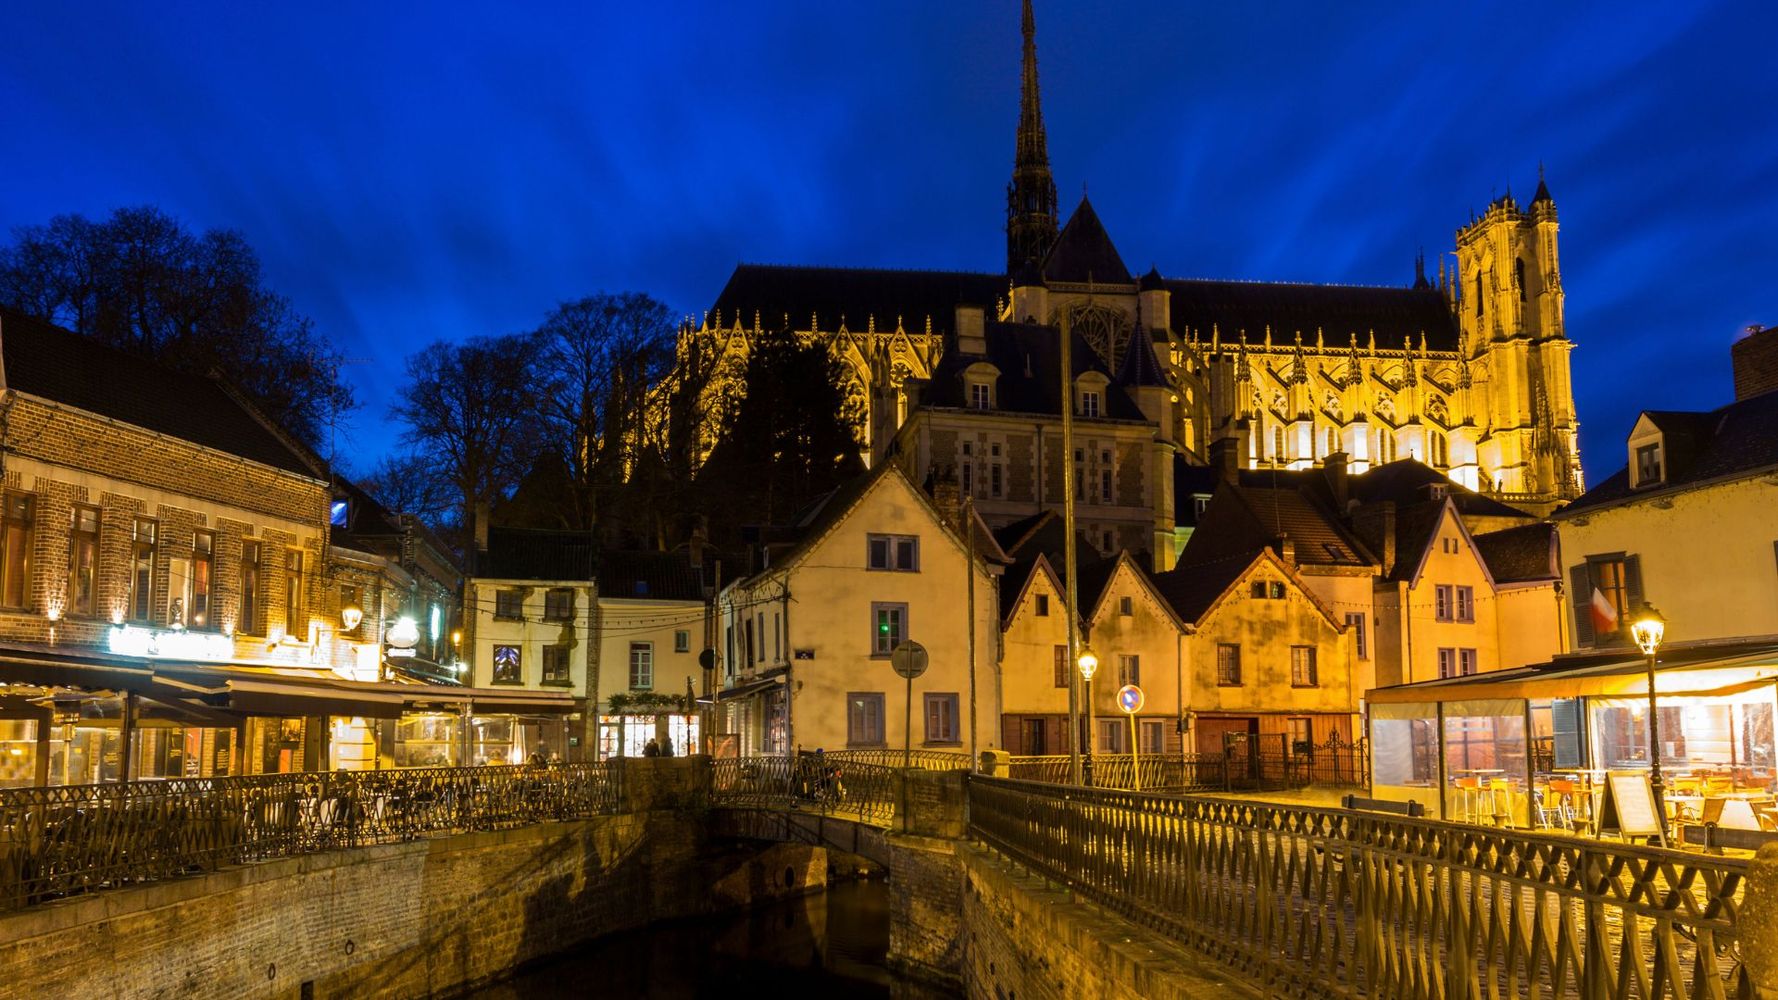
1130, 698
909, 659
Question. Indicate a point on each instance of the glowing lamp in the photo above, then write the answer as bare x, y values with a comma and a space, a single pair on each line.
405, 634
1648, 629
1088, 663
350, 616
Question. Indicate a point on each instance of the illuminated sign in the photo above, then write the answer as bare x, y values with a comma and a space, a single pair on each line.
398, 653
130, 640
405, 634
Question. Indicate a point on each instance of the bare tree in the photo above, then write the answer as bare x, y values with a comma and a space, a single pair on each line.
411, 483
470, 414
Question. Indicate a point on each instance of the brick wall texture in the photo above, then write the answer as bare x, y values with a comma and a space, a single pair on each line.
1755, 360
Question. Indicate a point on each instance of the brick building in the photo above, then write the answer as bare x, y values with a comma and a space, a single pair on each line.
171, 601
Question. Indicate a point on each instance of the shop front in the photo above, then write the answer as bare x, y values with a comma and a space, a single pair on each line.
1535, 747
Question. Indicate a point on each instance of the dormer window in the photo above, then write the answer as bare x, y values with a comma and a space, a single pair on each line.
1648, 464
1089, 403
978, 396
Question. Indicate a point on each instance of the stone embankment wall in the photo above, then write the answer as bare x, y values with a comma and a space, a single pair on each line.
424, 918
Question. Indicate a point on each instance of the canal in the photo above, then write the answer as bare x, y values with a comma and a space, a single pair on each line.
831, 944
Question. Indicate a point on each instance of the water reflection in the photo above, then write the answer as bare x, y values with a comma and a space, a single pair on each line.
831, 944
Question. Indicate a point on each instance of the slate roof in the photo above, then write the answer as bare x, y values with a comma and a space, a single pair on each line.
1191, 588
1406, 480
852, 295
529, 554
1241, 520
1042, 535
1339, 311
1739, 439
1415, 526
366, 519
1138, 366
1018, 348
667, 576
56, 364
1514, 555
1084, 252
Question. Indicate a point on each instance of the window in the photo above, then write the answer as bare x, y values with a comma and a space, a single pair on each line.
1258, 590
1129, 669
1154, 735
83, 556
1111, 736
1043, 606
1105, 481
1648, 464
15, 551
682, 641
349, 599
1613, 594
1442, 603
941, 718
1355, 622
1333, 444
1107, 542
1302, 736
1276, 590
1278, 453
1440, 457
864, 719
1465, 607
1302, 667
509, 603
996, 478
1089, 403
1466, 662
1519, 277
198, 584
1126, 606
558, 604
1200, 505
1228, 665
1063, 675
507, 669
897, 553
296, 620
142, 537
555, 666
889, 626
249, 622
641, 666
337, 511
1447, 663
978, 395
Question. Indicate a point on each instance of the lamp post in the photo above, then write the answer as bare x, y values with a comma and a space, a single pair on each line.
1647, 630
1089, 665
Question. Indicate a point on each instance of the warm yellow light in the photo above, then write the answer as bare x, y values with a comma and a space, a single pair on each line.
1089, 662
350, 616
1648, 629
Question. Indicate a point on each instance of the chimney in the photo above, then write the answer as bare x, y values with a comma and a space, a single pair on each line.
971, 339
948, 498
1374, 524
1334, 468
1285, 548
1755, 361
1225, 458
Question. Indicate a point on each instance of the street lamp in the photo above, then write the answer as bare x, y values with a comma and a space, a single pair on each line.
1089, 665
1647, 630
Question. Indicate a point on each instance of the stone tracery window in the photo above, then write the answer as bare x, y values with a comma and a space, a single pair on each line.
1436, 410
1103, 328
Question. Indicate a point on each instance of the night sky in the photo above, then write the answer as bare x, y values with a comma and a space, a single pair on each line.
445, 170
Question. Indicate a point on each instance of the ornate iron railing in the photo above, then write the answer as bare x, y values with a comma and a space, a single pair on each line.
809, 783
1331, 903
931, 760
1159, 772
72, 838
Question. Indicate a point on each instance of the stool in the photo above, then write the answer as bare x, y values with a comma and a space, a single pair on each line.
1469, 799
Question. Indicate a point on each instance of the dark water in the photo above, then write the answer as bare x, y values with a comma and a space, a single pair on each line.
833, 944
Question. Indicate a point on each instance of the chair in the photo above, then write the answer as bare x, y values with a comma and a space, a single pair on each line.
1469, 794
1501, 801
1562, 790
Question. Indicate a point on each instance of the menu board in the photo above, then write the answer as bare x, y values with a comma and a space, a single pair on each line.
1629, 807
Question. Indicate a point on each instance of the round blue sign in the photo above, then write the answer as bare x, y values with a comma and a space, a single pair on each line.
1129, 698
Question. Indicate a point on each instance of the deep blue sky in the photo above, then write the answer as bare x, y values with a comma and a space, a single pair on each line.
441, 170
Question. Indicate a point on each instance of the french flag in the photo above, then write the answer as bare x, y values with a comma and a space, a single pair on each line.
1604, 613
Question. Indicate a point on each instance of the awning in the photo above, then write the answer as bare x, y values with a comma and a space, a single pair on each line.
49, 667
745, 690
1700, 671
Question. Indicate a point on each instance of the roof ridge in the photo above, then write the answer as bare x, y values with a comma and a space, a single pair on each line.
878, 270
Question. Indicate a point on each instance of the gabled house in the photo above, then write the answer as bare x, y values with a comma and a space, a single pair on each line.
1263, 655
806, 644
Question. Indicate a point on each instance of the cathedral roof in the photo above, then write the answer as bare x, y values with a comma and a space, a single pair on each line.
1084, 252
852, 295
1338, 311
1406, 481
1029, 358
1138, 366
1152, 281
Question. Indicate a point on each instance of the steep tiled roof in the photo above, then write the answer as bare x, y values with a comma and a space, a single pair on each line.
526, 554
1030, 363
366, 519
853, 296
1415, 527
1406, 480
1736, 440
1138, 366
1516, 555
67, 368
1191, 588
1043, 536
1270, 512
1338, 311
1084, 252
664, 576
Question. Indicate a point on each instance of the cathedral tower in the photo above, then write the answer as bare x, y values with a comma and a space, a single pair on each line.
1031, 197
1510, 310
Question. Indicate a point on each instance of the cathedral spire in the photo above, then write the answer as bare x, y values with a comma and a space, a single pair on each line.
1031, 197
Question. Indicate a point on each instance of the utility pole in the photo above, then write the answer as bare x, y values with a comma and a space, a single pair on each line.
969, 571
1067, 399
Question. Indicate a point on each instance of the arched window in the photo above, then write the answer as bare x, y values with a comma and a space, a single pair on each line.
1440, 457
1278, 445
1478, 293
1519, 277
1333, 442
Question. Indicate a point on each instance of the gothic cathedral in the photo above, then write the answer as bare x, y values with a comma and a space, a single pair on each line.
959, 372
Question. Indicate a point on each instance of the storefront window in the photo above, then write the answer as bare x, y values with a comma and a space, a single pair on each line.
18, 753
1486, 763
276, 746
351, 744
491, 741
427, 740
1404, 754
1713, 749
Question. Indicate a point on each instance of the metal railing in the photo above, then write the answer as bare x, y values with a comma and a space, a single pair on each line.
1159, 772
930, 760
1270, 762
73, 838
832, 787
1332, 903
